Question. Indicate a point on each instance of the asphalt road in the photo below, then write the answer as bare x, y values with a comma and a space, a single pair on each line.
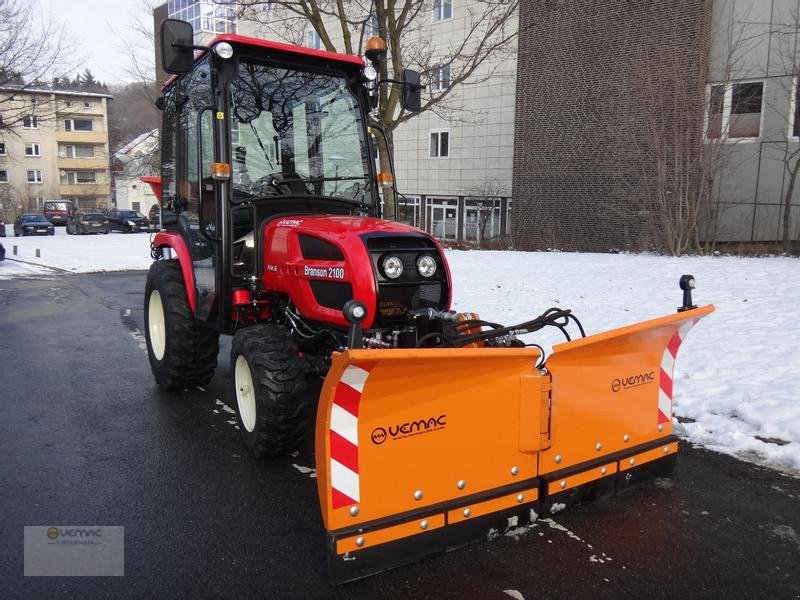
87, 438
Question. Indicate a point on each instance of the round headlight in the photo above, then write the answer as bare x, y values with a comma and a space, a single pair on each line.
392, 267
426, 265
370, 73
224, 50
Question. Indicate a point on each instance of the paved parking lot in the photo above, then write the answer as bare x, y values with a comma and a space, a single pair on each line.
87, 438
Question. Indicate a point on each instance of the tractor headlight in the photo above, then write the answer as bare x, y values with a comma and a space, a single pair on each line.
426, 265
224, 50
392, 267
370, 74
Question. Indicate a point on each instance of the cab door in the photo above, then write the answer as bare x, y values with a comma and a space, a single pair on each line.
193, 191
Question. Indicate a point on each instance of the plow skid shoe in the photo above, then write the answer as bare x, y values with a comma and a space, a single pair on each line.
414, 446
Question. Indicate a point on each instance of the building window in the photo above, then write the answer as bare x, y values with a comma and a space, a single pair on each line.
314, 41
3, 176
481, 220
34, 176
30, 122
78, 125
442, 218
32, 150
441, 78
137, 206
77, 151
442, 10
2, 148
370, 26
409, 211
794, 130
734, 110
78, 177
440, 143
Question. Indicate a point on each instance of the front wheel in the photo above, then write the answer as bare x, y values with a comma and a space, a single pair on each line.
182, 351
271, 390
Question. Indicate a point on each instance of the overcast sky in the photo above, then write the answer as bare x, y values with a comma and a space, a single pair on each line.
97, 26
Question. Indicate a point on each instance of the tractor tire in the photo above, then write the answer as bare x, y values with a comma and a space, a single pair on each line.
182, 351
271, 390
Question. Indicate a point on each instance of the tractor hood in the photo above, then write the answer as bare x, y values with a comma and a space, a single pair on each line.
321, 262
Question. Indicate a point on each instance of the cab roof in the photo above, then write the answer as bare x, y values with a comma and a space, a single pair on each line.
244, 40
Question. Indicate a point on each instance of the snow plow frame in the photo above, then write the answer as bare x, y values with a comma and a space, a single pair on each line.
421, 451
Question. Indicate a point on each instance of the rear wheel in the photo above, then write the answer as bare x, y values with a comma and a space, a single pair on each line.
182, 351
271, 390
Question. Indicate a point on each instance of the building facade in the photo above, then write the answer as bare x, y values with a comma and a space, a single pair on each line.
53, 145
454, 163
620, 89
138, 158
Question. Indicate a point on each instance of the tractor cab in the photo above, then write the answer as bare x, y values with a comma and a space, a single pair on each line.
254, 130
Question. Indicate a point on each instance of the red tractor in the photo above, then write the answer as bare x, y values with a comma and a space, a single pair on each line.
430, 426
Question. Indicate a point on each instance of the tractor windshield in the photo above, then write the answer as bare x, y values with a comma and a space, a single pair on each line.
296, 133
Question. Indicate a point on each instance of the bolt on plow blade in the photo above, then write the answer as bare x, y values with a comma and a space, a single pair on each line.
420, 451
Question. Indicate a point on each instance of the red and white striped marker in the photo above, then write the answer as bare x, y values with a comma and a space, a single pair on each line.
344, 435
667, 372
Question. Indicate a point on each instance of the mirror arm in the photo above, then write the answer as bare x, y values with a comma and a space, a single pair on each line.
413, 86
192, 47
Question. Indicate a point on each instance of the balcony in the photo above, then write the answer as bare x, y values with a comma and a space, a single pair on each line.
85, 189
83, 164
82, 137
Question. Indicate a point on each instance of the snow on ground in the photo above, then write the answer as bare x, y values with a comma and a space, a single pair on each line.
81, 253
737, 377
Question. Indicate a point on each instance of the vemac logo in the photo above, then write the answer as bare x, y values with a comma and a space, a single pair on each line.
408, 429
632, 381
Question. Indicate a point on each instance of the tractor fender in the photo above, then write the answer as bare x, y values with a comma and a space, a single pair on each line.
174, 241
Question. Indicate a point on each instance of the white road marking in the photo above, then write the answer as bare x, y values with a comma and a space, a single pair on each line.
306, 470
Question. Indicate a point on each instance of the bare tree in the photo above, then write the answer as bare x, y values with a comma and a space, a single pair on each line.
684, 139
483, 213
34, 52
490, 33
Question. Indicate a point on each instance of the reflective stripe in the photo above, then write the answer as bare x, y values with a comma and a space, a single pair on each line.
344, 480
345, 424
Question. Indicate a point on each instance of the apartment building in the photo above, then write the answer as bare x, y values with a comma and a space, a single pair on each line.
453, 164
53, 145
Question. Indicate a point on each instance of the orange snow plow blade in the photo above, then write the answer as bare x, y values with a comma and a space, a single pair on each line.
420, 451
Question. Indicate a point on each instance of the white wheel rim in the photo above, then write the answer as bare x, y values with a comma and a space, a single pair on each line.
245, 393
155, 325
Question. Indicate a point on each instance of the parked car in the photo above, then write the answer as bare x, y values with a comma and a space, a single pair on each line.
2, 228
128, 221
2, 252
58, 212
88, 223
33, 224
158, 219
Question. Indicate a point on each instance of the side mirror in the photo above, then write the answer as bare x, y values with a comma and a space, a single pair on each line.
177, 46
411, 98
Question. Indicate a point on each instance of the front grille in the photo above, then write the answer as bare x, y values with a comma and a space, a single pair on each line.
409, 291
